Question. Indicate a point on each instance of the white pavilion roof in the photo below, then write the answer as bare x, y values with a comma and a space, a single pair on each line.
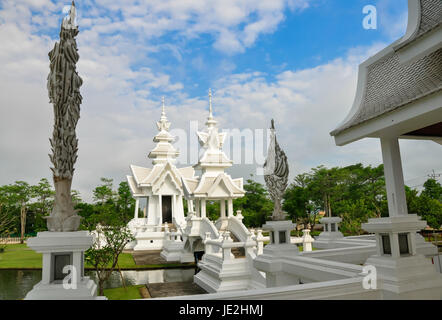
151, 178
386, 83
221, 186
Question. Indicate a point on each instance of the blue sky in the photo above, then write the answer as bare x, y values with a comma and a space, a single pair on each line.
318, 32
292, 60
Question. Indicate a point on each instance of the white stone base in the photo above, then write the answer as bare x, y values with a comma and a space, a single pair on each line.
149, 240
186, 257
217, 275
86, 290
327, 239
275, 276
130, 245
172, 250
413, 277
400, 275
68, 243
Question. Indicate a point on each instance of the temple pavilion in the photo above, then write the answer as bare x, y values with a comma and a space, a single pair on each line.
399, 96
158, 191
213, 184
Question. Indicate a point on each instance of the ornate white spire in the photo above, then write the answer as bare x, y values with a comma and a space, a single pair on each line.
211, 122
164, 149
163, 124
210, 104
212, 141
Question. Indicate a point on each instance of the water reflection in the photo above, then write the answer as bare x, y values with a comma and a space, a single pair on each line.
15, 284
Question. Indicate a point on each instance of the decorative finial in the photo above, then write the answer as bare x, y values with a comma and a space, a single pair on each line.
210, 104
163, 112
273, 125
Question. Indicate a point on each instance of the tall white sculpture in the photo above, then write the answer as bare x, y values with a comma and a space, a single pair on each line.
63, 246
276, 172
64, 93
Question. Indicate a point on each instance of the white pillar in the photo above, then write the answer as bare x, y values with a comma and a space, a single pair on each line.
173, 206
197, 207
160, 211
190, 207
46, 276
394, 178
203, 208
222, 208
137, 207
230, 207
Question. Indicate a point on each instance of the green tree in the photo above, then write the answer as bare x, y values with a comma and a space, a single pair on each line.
43, 194
256, 206
19, 195
433, 189
104, 192
104, 256
125, 202
298, 204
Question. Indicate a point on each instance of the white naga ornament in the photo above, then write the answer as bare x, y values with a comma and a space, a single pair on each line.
64, 93
276, 172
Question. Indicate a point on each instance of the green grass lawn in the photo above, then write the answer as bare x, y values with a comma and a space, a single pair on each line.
128, 293
19, 256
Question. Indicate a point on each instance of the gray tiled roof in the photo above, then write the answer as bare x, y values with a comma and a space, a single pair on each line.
431, 15
391, 85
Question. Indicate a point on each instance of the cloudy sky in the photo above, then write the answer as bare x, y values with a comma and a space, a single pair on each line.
292, 60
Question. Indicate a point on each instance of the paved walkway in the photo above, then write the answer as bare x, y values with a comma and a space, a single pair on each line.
172, 289
152, 257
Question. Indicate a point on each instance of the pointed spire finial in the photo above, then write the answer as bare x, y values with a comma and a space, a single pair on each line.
163, 112
210, 104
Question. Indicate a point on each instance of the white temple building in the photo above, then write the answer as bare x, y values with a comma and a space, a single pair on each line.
158, 191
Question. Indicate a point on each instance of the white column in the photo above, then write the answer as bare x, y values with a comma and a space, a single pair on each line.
190, 207
173, 206
197, 207
222, 208
394, 178
230, 207
46, 273
203, 208
160, 210
137, 207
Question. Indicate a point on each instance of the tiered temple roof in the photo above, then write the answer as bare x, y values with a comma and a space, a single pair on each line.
164, 156
214, 183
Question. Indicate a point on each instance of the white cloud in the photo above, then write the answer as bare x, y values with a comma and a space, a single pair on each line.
118, 114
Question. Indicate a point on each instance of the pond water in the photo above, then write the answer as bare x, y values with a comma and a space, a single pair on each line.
15, 284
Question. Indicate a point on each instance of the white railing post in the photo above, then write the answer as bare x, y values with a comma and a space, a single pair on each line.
307, 240
226, 252
259, 242
239, 216
208, 246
